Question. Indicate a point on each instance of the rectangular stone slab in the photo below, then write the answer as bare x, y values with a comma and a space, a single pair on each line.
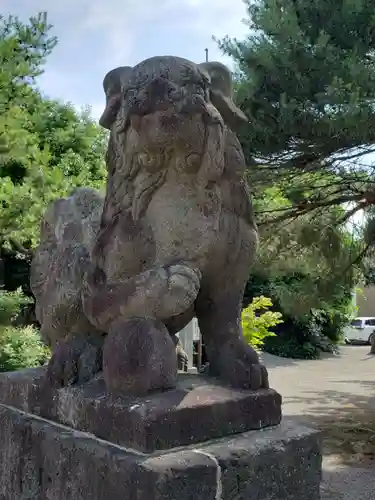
40, 459
197, 410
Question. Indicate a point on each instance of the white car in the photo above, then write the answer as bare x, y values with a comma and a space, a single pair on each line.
360, 330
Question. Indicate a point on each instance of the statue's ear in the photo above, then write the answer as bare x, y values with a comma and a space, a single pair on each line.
112, 84
221, 93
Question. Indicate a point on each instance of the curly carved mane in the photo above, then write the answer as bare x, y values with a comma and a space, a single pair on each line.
185, 85
136, 172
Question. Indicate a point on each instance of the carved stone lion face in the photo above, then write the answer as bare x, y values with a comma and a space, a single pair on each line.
167, 115
168, 102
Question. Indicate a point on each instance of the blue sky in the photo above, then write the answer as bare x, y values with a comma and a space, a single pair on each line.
98, 35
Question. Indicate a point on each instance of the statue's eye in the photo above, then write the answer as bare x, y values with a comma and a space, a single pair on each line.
202, 89
130, 94
191, 89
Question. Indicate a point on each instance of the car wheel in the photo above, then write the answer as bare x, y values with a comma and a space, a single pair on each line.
370, 339
347, 341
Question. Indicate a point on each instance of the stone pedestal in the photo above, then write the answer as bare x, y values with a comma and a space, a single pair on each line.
194, 442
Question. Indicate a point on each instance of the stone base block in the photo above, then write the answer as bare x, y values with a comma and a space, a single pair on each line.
40, 459
197, 410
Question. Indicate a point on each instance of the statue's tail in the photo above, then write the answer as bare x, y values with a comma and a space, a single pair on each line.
68, 231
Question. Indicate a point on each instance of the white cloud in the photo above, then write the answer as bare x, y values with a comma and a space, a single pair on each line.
122, 28
98, 35
224, 16
121, 25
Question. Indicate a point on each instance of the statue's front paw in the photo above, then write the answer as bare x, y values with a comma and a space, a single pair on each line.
139, 357
183, 286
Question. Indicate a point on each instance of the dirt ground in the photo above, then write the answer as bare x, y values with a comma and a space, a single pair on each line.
337, 395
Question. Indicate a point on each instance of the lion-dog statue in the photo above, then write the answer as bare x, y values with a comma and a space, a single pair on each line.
116, 277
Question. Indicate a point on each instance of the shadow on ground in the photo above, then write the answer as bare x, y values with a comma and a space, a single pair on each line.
272, 361
346, 420
337, 395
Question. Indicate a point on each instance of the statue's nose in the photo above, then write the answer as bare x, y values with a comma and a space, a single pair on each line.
159, 88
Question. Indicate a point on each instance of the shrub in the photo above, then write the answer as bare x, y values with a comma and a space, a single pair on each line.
331, 322
306, 337
16, 269
257, 321
21, 348
290, 347
11, 304
301, 335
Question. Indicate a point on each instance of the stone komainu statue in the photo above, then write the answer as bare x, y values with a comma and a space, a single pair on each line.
174, 237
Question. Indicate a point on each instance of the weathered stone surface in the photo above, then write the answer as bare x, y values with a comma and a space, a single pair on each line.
153, 367
197, 410
67, 231
174, 236
40, 460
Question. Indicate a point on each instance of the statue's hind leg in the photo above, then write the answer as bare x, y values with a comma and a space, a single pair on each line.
75, 359
75, 343
230, 358
218, 309
76, 346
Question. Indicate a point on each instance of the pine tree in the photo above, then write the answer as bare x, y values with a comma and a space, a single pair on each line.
307, 83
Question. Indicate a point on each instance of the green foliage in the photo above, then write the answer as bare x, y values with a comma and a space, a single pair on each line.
11, 304
46, 147
306, 331
305, 267
304, 264
291, 348
308, 262
303, 86
306, 77
23, 51
21, 348
15, 269
43, 165
257, 321
307, 74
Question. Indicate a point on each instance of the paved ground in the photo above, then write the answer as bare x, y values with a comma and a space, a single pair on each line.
313, 390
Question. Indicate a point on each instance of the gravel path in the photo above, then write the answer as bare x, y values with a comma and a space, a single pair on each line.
331, 386
347, 483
